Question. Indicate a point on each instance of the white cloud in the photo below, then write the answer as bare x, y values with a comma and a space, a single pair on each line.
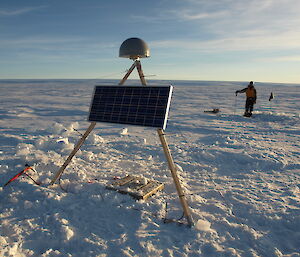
232, 25
19, 11
189, 15
252, 42
52, 42
288, 58
62, 49
232, 16
221, 19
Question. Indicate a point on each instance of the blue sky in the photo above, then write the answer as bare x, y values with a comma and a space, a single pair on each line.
232, 40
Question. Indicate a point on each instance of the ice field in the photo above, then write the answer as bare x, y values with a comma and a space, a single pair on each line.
241, 176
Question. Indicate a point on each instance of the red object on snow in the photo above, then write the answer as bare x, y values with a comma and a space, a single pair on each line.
27, 167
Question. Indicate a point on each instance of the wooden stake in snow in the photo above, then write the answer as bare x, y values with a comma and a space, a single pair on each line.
72, 154
173, 169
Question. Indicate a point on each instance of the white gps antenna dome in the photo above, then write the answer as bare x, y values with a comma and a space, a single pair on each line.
134, 48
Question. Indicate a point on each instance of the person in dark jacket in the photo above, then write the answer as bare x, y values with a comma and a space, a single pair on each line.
250, 98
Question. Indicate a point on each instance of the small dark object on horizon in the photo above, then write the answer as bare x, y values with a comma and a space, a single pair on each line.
215, 110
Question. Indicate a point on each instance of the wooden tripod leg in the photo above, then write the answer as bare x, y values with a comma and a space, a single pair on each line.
75, 150
127, 74
173, 169
140, 71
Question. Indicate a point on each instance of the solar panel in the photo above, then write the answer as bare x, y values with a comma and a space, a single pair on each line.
135, 105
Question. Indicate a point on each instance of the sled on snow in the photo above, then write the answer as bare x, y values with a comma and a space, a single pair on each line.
138, 187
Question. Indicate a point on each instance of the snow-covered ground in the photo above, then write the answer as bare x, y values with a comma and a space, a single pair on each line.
241, 175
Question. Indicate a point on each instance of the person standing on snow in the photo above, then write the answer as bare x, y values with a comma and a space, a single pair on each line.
250, 100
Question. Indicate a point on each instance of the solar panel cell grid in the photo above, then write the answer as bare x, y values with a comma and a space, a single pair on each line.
136, 105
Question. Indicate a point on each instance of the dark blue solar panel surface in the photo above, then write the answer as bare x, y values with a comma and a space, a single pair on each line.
135, 105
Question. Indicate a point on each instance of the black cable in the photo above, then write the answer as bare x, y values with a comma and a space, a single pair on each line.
166, 211
182, 216
34, 181
78, 131
61, 187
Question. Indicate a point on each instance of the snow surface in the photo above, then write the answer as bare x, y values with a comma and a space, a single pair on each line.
240, 175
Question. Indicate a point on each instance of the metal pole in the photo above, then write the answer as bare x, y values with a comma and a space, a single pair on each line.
173, 169
75, 150
234, 106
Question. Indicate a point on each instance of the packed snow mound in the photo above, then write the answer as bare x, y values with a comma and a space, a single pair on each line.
276, 117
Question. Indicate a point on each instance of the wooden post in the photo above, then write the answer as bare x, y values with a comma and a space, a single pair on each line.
75, 150
173, 169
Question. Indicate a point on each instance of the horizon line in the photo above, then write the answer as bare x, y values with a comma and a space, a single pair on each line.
135, 79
